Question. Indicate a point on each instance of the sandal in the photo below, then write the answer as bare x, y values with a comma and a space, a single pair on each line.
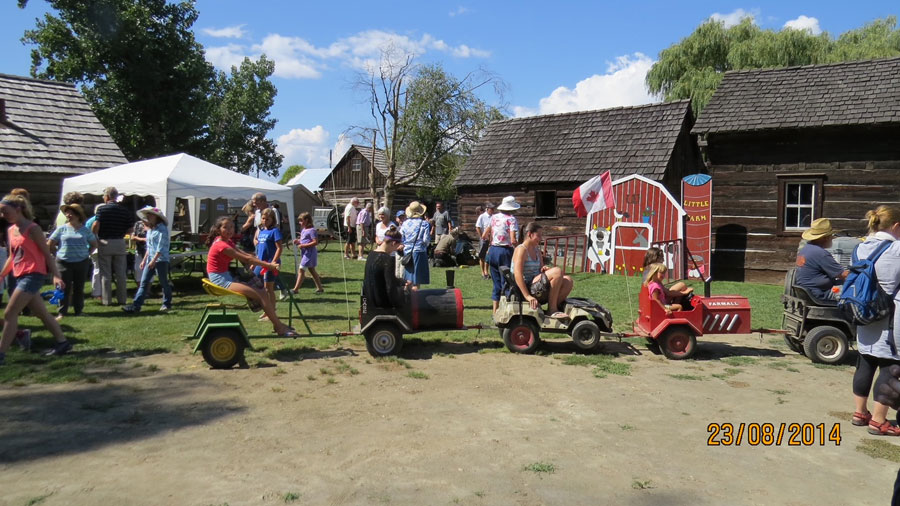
861, 419
559, 315
883, 429
320, 290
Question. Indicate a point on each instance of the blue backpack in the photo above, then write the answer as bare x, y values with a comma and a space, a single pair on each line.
862, 298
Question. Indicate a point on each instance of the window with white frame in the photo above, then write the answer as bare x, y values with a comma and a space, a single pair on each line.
799, 204
356, 164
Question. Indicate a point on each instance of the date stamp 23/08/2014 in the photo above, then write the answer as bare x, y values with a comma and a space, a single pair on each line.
773, 434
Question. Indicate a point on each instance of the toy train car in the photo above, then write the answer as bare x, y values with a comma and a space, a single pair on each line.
424, 310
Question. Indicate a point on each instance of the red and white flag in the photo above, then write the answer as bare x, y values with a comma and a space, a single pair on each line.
594, 195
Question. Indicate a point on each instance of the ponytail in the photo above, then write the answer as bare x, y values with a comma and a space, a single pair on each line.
882, 218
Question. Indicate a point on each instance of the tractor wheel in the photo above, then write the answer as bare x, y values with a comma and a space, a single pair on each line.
678, 343
793, 345
521, 336
825, 345
586, 335
223, 348
323, 243
384, 339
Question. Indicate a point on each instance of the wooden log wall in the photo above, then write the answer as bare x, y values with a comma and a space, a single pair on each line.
565, 222
748, 241
45, 189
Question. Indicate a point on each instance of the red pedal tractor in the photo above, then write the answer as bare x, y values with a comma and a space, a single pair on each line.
677, 334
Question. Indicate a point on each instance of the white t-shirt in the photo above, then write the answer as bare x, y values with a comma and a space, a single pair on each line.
381, 228
483, 221
350, 213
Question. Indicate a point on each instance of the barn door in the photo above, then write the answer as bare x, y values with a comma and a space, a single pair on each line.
630, 242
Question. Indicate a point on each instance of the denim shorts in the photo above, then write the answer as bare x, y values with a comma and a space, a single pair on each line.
31, 283
222, 279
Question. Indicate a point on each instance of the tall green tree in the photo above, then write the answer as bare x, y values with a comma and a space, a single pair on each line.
139, 67
148, 82
694, 67
239, 119
290, 172
426, 120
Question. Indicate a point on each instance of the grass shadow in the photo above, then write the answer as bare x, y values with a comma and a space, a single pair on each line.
419, 349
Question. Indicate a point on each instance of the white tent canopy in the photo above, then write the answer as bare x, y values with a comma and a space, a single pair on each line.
180, 176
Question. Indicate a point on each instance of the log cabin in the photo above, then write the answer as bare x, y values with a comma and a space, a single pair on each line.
542, 159
47, 133
787, 146
350, 178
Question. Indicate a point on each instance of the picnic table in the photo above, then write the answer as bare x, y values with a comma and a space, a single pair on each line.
185, 263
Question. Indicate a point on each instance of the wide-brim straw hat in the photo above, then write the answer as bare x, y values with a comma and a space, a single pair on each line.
142, 214
820, 228
509, 204
415, 209
77, 209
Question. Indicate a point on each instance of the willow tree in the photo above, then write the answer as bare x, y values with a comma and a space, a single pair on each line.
693, 67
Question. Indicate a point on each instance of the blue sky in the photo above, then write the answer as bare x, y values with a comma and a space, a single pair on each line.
554, 56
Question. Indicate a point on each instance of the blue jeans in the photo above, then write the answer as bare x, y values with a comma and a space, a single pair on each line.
498, 256
162, 270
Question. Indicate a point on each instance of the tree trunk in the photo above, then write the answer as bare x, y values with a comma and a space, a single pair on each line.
389, 185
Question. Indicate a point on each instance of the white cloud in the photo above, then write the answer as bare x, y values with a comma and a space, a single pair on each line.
224, 57
621, 85
340, 147
459, 11
230, 32
735, 17
297, 58
805, 23
308, 147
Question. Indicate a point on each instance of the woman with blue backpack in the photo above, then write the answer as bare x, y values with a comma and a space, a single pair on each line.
875, 337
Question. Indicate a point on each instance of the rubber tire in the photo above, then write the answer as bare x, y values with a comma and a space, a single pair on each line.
323, 244
223, 348
519, 330
676, 339
834, 338
793, 345
384, 339
586, 335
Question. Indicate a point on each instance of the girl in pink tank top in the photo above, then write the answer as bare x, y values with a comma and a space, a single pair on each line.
29, 261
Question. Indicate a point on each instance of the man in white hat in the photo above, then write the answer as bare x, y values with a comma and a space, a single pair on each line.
817, 271
481, 224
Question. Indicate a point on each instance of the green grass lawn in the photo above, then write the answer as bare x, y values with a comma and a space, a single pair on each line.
104, 336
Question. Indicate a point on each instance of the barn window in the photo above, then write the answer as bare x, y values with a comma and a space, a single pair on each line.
799, 203
356, 164
545, 204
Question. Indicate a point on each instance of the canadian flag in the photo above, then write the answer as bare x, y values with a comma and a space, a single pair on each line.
594, 195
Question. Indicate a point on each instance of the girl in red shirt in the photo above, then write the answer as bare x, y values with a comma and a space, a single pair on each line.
221, 252
29, 261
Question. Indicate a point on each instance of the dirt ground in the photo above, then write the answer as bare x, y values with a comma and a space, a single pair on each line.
338, 427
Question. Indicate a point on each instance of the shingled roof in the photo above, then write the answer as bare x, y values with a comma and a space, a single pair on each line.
380, 161
49, 127
577, 146
857, 93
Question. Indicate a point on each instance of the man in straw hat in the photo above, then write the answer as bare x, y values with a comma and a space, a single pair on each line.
817, 271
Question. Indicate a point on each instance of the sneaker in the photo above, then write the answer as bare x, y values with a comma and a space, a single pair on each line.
131, 309
284, 295
60, 349
164, 309
23, 339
